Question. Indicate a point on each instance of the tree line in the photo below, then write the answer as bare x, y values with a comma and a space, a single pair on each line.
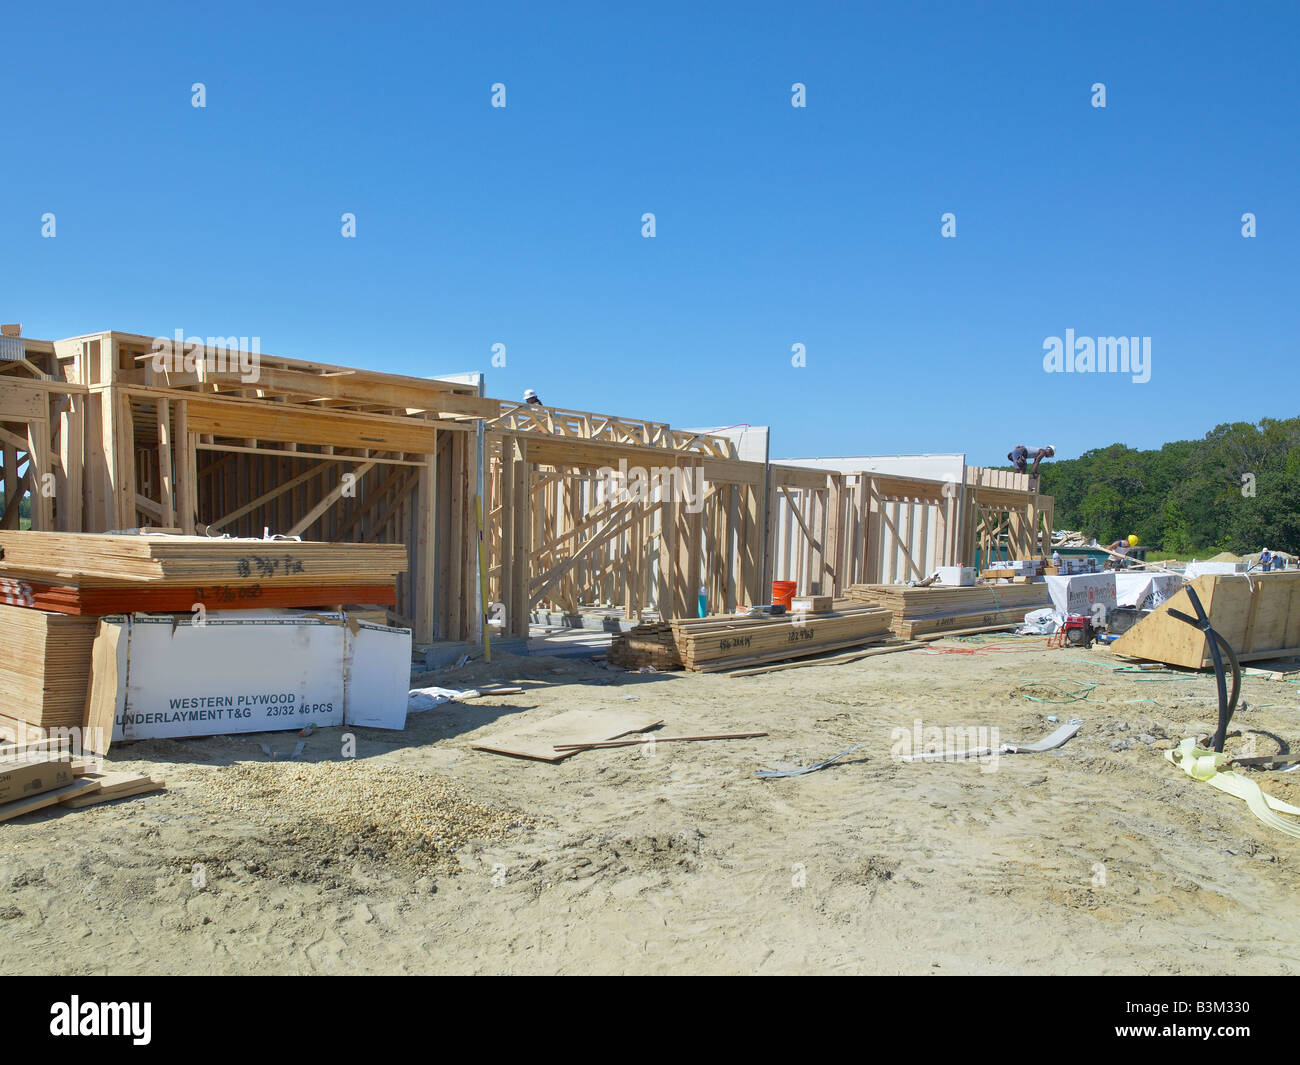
1237, 489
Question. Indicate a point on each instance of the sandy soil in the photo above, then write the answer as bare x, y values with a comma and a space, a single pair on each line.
1097, 858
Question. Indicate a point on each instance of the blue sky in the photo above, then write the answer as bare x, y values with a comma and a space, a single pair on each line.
775, 225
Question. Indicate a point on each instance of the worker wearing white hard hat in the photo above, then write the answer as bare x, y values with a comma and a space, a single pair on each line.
531, 397
1020, 456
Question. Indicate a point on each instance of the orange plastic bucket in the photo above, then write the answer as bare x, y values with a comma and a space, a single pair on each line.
783, 592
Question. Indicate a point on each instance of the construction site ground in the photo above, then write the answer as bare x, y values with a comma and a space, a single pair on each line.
421, 854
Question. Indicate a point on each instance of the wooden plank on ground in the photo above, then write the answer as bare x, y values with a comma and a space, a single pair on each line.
79, 787
114, 786
538, 739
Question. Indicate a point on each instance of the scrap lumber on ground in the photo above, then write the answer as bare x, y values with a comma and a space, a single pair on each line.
723, 642
651, 737
827, 660
560, 737
918, 611
114, 786
38, 782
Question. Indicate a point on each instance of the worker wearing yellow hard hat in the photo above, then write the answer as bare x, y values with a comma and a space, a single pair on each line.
1119, 551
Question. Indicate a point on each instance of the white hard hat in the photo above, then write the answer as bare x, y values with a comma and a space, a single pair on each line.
529, 394
1051, 448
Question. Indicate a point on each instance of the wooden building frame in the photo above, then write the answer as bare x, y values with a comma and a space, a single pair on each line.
119, 438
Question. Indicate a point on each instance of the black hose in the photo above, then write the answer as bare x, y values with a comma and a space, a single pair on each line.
1227, 704
1226, 710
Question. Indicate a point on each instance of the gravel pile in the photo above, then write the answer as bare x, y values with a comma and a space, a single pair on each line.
349, 806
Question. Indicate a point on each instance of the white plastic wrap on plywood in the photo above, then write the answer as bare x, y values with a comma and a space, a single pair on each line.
378, 676
1146, 591
225, 676
1081, 593
234, 675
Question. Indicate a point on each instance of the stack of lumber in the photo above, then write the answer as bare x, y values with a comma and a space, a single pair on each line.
918, 611
91, 573
713, 644
39, 775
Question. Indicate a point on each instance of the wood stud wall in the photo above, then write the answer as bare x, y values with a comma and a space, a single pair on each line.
337, 454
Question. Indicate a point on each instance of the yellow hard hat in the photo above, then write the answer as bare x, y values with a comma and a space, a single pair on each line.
1132, 540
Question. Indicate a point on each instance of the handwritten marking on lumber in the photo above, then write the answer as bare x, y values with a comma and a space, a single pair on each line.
228, 593
268, 566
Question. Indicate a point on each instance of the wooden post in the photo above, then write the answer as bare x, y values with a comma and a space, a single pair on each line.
166, 483
185, 469
507, 585
38, 458
472, 618
668, 530
518, 609
875, 548
425, 560
770, 504
455, 584
833, 566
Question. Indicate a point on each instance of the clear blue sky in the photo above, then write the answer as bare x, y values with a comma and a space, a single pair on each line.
775, 225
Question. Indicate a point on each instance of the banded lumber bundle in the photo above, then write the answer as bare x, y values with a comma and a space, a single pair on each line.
44, 667
91, 560
706, 645
651, 643
919, 611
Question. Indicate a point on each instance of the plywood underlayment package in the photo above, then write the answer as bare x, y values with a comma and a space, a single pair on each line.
1258, 614
259, 674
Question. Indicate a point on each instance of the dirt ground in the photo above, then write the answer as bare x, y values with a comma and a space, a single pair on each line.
1100, 857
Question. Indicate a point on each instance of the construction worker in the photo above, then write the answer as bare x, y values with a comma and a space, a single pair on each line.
1020, 455
531, 397
1120, 548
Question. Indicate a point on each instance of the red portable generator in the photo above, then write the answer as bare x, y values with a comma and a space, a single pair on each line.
1077, 630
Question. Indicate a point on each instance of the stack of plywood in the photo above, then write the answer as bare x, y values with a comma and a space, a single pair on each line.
918, 611
44, 667
86, 573
712, 644
55, 586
